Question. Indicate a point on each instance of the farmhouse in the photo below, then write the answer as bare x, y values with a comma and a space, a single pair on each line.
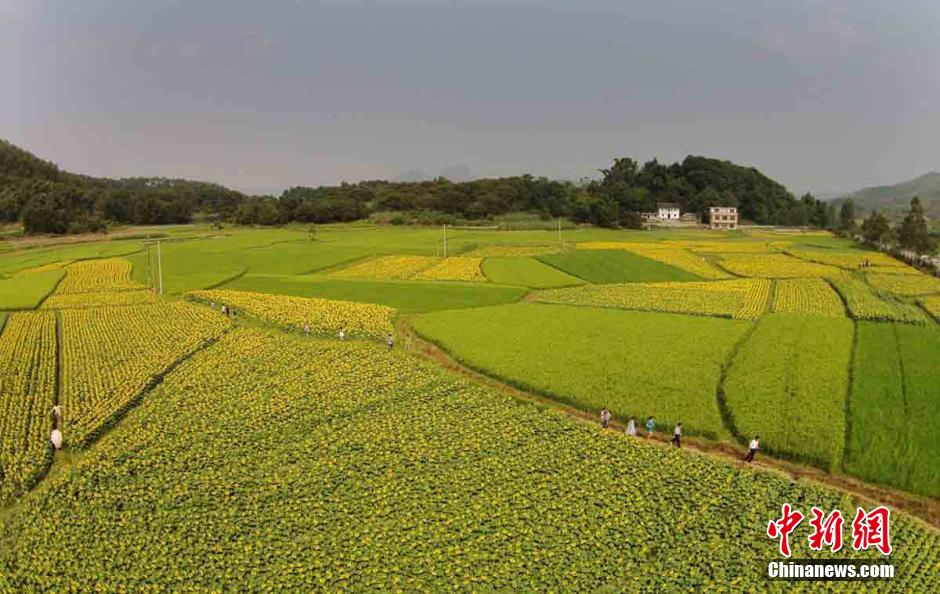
668, 211
723, 217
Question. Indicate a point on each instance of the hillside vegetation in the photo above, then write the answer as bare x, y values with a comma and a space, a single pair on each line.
48, 200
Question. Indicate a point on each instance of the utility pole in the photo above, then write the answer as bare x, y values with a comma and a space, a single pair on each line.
445, 240
149, 269
159, 267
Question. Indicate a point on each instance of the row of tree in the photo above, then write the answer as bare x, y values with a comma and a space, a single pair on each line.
48, 200
912, 234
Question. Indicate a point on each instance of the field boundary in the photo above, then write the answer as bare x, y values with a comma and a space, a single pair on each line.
118, 415
922, 509
904, 401
230, 279
727, 419
849, 389
54, 288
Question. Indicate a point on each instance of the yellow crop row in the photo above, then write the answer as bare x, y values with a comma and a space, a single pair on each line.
811, 296
458, 268
27, 394
111, 354
90, 276
324, 316
774, 266
932, 305
387, 267
847, 259
486, 251
661, 252
904, 284
722, 247
105, 298
738, 298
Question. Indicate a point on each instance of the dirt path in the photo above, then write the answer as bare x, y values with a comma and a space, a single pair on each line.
924, 508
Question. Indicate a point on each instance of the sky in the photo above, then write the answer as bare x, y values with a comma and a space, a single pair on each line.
260, 96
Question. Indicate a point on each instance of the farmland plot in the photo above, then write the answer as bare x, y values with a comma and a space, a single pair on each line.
895, 427
865, 304
27, 393
634, 363
111, 354
526, 272
325, 316
418, 482
812, 296
788, 383
739, 298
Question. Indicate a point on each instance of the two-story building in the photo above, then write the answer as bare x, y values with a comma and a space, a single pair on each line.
723, 217
668, 211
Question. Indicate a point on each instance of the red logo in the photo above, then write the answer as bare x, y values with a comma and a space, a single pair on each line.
782, 528
872, 529
826, 531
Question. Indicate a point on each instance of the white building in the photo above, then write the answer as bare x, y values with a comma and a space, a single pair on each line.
668, 211
722, 217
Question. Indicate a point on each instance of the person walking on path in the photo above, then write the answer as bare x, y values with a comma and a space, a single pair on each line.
390, 341
56, 439
631, 427
342, 333
752, 449
307, 328
56, 415
650, 426
677, 435
605, 418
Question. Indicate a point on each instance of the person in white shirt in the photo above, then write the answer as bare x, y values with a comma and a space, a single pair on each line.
342, 333
390, 341
631, 427
677, 435
307, 328
752, 449
56, 439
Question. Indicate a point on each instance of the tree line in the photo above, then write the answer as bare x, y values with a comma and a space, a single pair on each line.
48, 200
911, 234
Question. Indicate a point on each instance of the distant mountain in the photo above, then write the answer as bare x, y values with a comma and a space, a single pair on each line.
895, 199
411, 176
457, 173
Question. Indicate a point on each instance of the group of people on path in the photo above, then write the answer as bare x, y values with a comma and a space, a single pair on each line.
676, 440
389, 340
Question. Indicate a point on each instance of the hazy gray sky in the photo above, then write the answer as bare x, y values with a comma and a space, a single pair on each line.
264, 95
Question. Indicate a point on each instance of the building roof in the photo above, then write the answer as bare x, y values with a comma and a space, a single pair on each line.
667, 205
735, 208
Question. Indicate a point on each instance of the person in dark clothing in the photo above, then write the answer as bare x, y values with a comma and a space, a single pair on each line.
677, 435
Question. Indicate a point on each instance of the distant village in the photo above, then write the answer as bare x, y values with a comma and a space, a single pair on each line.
669, 214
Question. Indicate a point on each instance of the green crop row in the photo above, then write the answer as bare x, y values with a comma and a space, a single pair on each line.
865, 304
895, 424
788, 383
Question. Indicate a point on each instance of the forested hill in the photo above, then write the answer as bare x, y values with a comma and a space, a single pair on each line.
895, 199
48, 200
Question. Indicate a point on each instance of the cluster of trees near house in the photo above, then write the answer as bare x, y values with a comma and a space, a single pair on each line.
911, 234
48, 200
